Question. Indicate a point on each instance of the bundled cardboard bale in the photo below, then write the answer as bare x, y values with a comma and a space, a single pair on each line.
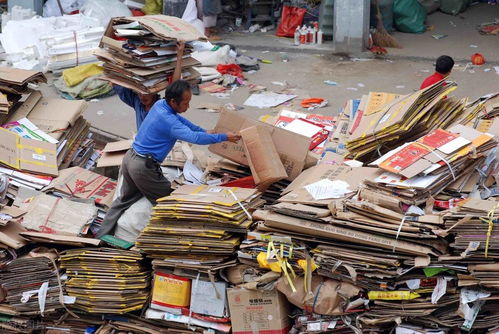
207, 220
410, 116
106, 280
32, 285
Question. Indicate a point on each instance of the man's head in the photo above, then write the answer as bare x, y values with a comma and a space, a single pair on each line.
444, 65
148, 99
178, 95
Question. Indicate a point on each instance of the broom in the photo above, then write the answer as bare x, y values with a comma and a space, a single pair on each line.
381, 37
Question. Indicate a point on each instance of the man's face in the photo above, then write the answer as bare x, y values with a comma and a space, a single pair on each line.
147, 99
184, 103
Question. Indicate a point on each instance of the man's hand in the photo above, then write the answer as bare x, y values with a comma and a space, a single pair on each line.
233, 137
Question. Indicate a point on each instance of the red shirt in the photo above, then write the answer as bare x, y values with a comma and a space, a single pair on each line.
434, 78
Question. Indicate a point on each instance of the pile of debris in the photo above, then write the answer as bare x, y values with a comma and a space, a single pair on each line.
376, 220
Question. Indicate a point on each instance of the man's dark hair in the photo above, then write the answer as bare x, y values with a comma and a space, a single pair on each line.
444, 64
176, 90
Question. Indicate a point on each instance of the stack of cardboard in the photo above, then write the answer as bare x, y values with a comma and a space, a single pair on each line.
84, 184
105, 280
13, 84
140, 52
62, 121
401, 120
32, 285
200, 222
425, 167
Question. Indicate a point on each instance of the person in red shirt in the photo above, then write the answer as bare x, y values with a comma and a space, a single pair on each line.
442, 70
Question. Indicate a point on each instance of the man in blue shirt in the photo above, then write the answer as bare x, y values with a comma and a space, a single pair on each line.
142, 103
157, 135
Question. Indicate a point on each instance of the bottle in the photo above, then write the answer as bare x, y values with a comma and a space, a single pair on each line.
314, 36
310, 36
297, 36
303, 36
319, 36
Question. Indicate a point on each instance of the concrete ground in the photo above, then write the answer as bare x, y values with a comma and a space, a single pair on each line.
401, 72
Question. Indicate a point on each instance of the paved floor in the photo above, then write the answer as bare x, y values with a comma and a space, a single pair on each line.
401, 72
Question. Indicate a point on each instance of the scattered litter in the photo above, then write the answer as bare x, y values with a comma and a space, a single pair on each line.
473, 46
477, 59
496, 68
352, 88
360, 59
266, 51
221, 95
361, 84
251, 72
471, 71
330, 83
279, 83
452, 24
389, 61
97, 100
100, 112
254, 28
425, 71
439, 36
265, 61
400, 87
267, 100
486, 69
314, 103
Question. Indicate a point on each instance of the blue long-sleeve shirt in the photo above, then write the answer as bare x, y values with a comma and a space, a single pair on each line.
163, 127
130, 97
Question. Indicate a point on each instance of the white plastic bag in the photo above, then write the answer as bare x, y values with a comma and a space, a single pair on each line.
191, 15
104, 10
213, 58
134, 220
51, 7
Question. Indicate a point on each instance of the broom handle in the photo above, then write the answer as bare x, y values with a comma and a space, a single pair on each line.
378, 12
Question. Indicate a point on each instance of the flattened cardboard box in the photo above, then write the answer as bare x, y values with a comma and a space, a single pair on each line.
167, 27
49, 114
27, 154
83, 183
292, 148
266, 166
113, 153
256, 311
297, 193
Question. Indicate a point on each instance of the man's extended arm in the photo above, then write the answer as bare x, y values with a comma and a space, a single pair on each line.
177, 74
126, 95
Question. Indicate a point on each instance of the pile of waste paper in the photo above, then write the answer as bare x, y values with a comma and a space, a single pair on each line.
378, 220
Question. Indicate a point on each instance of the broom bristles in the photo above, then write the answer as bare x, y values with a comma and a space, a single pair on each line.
381, 37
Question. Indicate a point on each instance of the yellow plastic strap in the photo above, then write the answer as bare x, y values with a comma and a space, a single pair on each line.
490, 222
285, 271
37, 163
38, 150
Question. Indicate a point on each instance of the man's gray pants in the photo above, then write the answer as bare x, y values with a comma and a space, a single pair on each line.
138, 180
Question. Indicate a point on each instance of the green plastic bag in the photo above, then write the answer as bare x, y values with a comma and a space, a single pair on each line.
409, 16
454, 7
